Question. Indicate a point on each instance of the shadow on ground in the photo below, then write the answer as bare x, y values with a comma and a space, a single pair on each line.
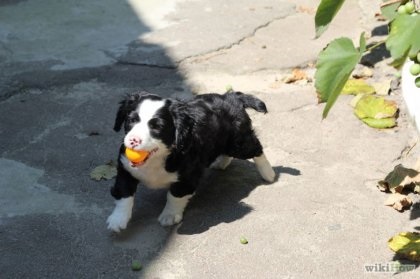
219, 198
378, 53
57, 126
415, 213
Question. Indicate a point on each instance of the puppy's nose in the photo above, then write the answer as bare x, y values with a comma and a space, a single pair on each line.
134, 141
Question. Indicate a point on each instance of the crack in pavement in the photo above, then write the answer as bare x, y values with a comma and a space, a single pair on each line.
236, 43
122, 62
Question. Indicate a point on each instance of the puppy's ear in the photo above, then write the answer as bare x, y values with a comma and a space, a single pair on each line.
126, 106
184, 125
120, 118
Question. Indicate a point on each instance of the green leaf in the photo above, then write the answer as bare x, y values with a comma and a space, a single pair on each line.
404, 37
389, 9
334, 66
357, 86
325, 13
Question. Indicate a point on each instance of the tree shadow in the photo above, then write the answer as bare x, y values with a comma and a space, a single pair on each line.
415, 213
381, 30
58, 109
375, 56
379, 53
405, 263
59, 91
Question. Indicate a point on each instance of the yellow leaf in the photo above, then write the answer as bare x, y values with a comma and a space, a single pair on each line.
356, 99
406, 244
357, 86
376, 111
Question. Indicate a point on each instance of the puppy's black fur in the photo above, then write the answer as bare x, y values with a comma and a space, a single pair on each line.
196, 132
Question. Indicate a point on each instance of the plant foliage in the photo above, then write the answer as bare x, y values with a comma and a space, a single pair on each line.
334, 66
337, 61
325, 13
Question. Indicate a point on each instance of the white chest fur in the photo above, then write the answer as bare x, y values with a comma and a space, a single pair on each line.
152, 174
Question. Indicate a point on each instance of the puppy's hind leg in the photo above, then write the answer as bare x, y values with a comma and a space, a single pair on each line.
251, 147
264, 168
221, 162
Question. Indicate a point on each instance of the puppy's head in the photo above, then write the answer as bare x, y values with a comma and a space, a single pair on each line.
148, 125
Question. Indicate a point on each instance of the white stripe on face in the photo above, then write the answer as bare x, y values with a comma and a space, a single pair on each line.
146, 111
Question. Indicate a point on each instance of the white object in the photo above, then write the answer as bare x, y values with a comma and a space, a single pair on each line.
411, 94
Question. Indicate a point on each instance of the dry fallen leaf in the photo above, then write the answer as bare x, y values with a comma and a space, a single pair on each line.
399, 201
383, 88
400, 179
297, 74
306, 10
379, 17
105, 172
363, 72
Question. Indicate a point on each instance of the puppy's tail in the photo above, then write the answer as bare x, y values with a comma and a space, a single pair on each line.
250, 101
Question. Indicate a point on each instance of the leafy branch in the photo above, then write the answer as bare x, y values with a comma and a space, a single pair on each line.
338, 60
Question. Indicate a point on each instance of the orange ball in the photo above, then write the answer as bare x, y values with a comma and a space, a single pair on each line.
136, 156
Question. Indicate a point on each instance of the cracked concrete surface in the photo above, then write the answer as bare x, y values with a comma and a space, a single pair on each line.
279, 44
64, 65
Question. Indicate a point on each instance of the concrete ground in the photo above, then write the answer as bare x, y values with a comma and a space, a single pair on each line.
64, 65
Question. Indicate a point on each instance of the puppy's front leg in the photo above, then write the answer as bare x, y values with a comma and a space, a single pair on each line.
177, 199
123, 191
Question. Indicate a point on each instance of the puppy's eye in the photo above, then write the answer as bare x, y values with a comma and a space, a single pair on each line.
156, 123
131, 119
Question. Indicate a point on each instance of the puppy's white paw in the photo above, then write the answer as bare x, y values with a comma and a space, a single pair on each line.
267, 173
174, 209
264, 168
117, 222
169, 219
221, 162
119, 218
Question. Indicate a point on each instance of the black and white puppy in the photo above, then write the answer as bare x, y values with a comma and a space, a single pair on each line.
183, 138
